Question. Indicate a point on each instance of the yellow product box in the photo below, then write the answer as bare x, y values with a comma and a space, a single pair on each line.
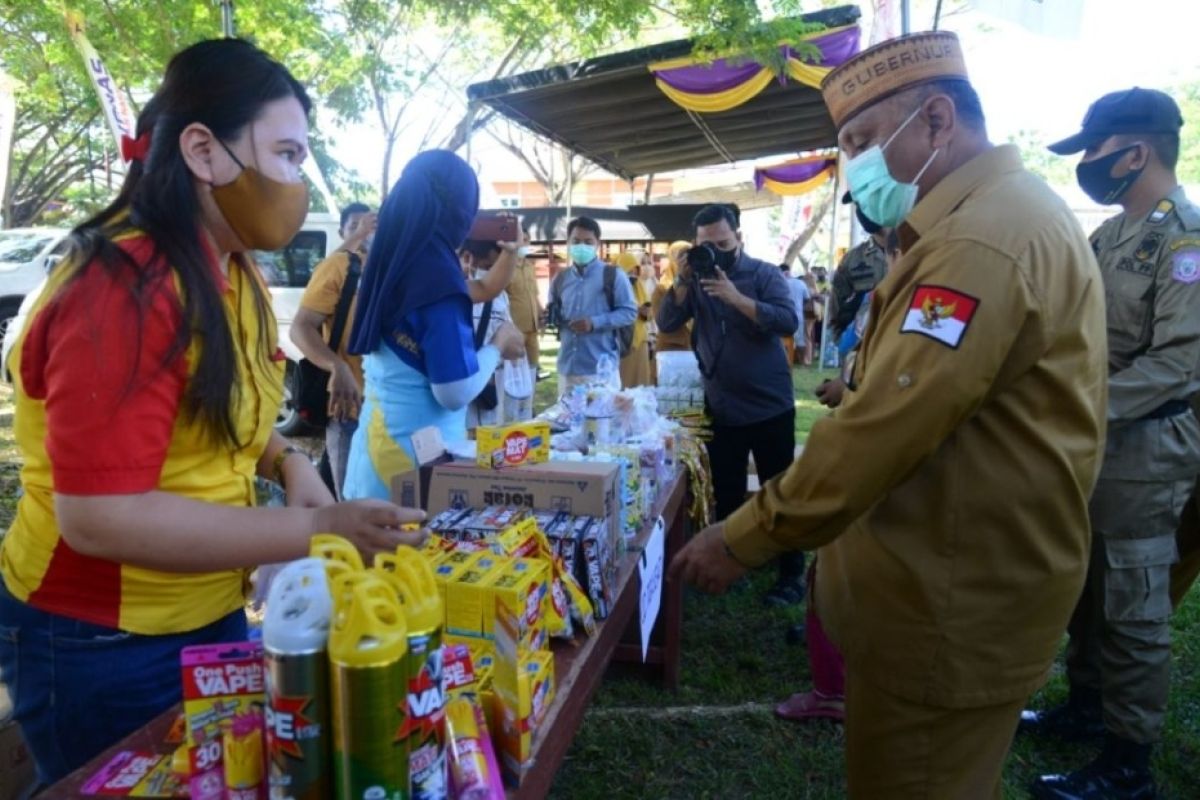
522, 587
512, 445
437, 548
446, 571
469, 600
524, 688
518, 541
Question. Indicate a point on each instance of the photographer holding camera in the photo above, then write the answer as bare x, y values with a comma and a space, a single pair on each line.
740, 308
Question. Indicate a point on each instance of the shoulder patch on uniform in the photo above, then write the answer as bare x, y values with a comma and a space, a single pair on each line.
1185, 266
1189, 242
1160, 211
940, 313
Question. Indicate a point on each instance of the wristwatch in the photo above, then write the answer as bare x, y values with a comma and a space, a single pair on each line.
277, 464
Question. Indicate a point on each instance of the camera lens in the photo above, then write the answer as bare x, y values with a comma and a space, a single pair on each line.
703, 259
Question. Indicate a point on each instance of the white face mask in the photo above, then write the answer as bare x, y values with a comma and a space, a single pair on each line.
523, 251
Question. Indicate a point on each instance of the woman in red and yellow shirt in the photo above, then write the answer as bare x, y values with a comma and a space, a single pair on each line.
148, 379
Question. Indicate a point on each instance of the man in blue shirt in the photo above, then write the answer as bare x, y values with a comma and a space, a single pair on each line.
739, 316
589, 320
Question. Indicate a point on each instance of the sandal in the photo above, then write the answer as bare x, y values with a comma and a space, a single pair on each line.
804, 706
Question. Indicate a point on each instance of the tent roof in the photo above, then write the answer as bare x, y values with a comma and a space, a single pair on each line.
609, 110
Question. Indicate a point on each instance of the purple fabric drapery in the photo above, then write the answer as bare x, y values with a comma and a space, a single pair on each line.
792, 173
722, 75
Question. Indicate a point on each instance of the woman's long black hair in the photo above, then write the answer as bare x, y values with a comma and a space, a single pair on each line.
222, 84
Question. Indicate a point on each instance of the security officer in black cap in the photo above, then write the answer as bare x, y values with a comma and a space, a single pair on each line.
860, 271
1118, 659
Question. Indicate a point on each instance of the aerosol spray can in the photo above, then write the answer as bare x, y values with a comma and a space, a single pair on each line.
410, 574
367, 647
295, 640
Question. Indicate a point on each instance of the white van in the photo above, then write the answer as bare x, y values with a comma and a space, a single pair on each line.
287, 272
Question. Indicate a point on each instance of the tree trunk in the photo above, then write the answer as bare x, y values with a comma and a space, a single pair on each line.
797, 244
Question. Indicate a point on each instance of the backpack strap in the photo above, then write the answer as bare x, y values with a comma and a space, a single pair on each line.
610, 286
342, 313
485, 319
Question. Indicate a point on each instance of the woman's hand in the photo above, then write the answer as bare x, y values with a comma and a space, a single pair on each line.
509, 341
302, 484
373, 526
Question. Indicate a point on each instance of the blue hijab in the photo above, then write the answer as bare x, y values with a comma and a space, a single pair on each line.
413, 260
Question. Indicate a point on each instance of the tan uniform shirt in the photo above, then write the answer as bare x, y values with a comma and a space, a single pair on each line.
523, 297
1151, 270
955, 551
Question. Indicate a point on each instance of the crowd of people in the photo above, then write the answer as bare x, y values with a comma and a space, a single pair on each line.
1012, 454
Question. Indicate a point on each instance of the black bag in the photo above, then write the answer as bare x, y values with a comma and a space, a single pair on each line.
487, 398
625, 332
312, 389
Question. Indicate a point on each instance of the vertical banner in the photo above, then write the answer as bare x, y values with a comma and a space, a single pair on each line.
8, 119
112, 99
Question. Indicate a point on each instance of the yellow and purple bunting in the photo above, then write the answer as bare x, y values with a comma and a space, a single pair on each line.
724, 84
795, 177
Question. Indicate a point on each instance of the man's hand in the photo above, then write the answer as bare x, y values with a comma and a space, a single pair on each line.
722, 288
644, 311
345, 396
705, 563
581, 325
365, 228
829, 393
509, 341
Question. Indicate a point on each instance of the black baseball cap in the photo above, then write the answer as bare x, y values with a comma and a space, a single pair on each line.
1133, 110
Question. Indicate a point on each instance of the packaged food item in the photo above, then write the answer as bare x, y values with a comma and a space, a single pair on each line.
368, 645
220, 682
512, 445
295, 642
524, 686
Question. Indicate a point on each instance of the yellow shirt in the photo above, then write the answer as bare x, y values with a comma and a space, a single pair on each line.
98, 414
523, 297
322, 294
948, 494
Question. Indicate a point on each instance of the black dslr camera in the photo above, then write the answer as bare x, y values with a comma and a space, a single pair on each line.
702, 259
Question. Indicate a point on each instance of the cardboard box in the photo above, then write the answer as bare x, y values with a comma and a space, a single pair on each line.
469, 597
17, 776
576, 488
521, 586
523, 684
512, 445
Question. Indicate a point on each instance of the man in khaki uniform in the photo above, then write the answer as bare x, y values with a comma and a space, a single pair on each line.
1118, 660
860, 271
951, 559
523, 303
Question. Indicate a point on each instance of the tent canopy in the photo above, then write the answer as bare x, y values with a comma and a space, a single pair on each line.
610, 110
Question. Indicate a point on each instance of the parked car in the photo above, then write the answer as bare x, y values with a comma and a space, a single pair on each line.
26, 255
286, 271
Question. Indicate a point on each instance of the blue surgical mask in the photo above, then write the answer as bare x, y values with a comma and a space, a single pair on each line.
523, 251
582, 254
883, 199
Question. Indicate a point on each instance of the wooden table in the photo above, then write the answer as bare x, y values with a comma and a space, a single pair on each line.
578, 670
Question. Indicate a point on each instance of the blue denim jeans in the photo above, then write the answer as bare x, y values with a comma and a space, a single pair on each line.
78, 688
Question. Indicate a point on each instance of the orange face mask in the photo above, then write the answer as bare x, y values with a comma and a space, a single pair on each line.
264, 213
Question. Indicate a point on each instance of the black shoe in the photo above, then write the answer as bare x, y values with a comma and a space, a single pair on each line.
785, 592
1121, 772
1080, 719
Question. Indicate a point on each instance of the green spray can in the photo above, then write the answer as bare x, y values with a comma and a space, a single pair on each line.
412, 577
367, 647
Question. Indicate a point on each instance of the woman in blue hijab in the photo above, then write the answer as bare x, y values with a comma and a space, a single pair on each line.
413, 323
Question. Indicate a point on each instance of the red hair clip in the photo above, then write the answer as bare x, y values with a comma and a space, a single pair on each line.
135, 149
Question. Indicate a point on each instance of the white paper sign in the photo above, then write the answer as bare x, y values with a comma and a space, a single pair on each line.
650, 569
